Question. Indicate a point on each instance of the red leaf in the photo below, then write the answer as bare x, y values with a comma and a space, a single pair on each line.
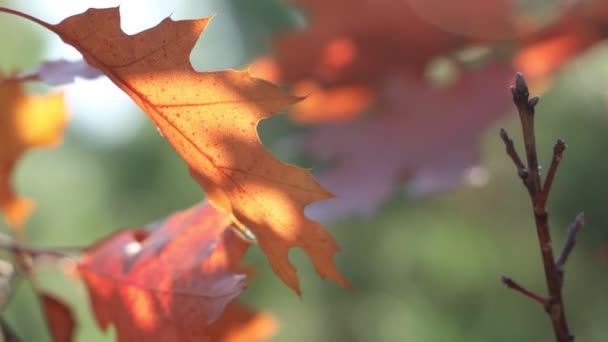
59, 318
170, 284
361, 40
575, 31
428, 133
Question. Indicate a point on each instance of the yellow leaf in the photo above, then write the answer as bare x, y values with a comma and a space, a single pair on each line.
26, 121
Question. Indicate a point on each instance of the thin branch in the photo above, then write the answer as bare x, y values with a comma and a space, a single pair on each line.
522, 170
525, 108
558, 152
8, 333
538, 196
512, 284
11, 245
573, 229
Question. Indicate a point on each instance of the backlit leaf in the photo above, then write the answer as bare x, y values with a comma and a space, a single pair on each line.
210, 118
26, 121
168, 284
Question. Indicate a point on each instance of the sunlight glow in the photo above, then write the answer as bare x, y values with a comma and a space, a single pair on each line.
103, 112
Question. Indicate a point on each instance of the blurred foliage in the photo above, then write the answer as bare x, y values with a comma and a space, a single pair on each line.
423, 269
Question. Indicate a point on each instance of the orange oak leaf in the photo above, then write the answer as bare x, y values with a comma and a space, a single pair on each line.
58, 317
168, 284
210, 118
26, 121
240, 324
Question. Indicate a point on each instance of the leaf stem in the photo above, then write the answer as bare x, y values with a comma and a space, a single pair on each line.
27, 17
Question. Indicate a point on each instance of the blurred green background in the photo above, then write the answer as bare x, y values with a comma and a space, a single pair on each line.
424, 269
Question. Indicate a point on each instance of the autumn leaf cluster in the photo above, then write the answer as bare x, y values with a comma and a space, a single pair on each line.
210, 119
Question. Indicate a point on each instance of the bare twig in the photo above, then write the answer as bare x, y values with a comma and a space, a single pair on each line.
525, 108
538, 196
522, 170
8, 334
13, 246
558, 152
573, 229
512, 284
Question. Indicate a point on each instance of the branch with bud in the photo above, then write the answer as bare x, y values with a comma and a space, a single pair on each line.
539, 192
